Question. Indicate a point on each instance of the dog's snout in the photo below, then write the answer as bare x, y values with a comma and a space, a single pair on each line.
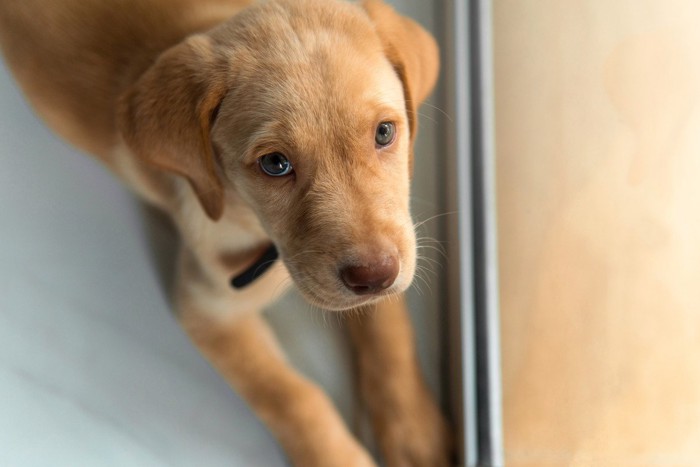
372, 276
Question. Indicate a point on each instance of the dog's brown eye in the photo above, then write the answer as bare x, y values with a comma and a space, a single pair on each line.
384, 134
275, 164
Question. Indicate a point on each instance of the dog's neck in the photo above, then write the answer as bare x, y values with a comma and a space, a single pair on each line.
257, 269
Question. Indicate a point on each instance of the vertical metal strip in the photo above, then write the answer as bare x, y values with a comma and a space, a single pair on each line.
464, 192
459, 229
471, 233
486, 311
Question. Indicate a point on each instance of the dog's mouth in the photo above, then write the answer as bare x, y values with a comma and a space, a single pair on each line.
334, 301
338, 288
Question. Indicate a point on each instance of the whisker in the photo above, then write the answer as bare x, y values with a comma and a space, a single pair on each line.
441, 251
339, 320
419, 290
425, 116
421, 223
425, 281
422, 273
432, 262
434, 107
425, 104
429, 242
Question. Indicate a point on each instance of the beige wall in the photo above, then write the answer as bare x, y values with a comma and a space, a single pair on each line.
598, 143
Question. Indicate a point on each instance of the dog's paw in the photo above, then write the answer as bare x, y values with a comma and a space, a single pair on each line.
413, 433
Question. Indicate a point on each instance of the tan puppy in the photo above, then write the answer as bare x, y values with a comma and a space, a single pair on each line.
285, 122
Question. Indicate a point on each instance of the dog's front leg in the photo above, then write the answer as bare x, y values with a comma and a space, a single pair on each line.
244, 350
410, 429
297, 412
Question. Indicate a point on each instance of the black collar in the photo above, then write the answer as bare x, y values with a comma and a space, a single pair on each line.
257, 269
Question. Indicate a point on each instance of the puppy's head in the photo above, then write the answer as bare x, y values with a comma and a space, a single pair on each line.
306, 111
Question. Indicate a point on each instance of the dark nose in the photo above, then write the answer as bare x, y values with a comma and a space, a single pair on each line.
371, 277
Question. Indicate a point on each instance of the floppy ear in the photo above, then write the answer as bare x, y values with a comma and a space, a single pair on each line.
412, 52
166, 116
